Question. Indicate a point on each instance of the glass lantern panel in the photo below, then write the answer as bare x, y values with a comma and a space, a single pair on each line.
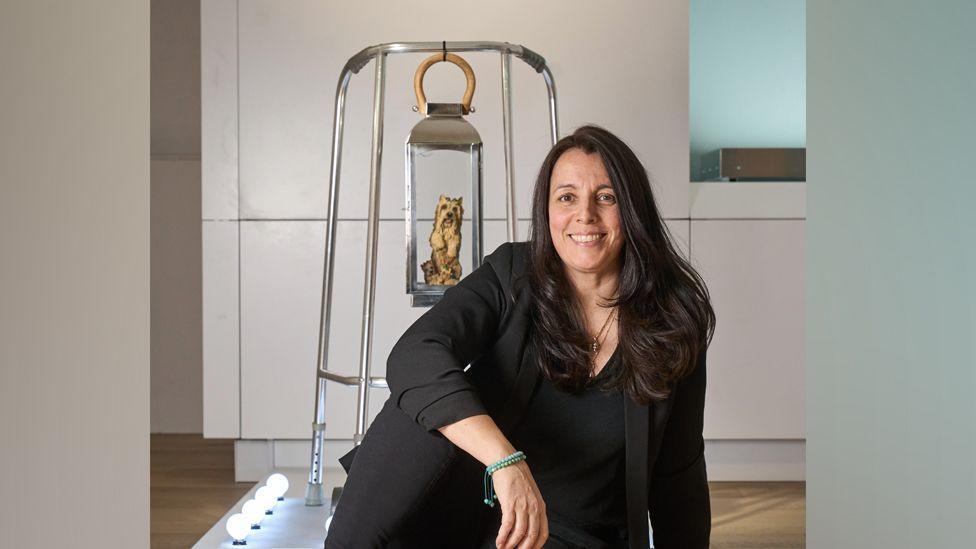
442, 172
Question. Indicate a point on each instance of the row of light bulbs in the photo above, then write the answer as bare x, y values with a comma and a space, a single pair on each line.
253, 512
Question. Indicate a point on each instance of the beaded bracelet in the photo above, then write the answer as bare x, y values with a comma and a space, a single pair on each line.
490, 496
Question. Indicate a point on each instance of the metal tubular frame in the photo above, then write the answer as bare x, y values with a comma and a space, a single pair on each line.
314, 491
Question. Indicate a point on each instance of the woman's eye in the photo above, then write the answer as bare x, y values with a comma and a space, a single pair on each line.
604, 197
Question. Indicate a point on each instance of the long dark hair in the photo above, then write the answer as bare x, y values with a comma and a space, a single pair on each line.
664, 311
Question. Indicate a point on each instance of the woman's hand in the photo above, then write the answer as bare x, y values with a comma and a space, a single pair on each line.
524, 523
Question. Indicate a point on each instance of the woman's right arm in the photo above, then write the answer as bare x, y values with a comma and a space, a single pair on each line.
425, 369
425, 373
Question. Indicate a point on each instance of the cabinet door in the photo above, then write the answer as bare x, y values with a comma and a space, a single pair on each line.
754, 270
221, 343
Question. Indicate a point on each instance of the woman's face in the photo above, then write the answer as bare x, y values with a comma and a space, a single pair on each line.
584, 221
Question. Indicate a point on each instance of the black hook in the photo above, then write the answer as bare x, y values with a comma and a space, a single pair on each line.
444, 49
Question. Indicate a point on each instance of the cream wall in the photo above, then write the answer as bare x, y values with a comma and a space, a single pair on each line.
74, 274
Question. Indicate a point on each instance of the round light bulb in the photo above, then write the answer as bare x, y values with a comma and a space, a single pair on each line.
254, 511
238, 527
266, 498
279, 484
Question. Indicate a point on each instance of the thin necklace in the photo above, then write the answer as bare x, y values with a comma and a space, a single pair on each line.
595, 344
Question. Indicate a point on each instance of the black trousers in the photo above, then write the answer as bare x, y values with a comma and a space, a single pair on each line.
408, 488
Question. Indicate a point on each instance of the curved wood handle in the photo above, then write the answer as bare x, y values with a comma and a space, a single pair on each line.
418, 80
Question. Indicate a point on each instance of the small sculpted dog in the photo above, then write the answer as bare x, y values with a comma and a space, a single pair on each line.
443, 266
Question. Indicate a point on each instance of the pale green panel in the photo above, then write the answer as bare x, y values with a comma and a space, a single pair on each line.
747, 75
891, 268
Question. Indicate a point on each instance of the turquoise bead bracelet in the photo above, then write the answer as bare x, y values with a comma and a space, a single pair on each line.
490, 496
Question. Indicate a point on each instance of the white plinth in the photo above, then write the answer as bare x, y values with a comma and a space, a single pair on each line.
292, 526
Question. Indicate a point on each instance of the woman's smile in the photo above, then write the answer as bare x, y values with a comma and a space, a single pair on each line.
588, 240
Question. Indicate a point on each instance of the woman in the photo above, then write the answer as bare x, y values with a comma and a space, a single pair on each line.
586, 347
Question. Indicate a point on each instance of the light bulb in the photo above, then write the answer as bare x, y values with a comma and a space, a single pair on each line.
266, 498
254, 511
238, 527
279, 484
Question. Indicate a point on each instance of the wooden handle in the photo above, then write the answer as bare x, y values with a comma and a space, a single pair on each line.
418, 80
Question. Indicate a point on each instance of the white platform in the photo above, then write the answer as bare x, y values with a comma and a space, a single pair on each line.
292, 526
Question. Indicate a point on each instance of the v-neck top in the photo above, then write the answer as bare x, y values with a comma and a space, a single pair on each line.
574, 445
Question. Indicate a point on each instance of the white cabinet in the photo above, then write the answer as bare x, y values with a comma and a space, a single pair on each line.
221, 337
218, 103
754, 270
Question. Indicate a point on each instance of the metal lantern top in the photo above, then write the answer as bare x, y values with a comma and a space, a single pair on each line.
444, 124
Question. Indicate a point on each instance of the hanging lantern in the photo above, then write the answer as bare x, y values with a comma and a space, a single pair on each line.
443, 162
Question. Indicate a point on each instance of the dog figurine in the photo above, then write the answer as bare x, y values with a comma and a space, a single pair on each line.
443, 267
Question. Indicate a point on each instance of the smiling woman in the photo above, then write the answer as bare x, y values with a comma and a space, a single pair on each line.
554, 396
600, 252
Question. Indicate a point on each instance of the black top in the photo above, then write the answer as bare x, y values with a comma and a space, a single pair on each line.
574, 445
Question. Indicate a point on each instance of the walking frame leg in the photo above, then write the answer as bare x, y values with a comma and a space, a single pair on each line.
506, 59
362, 402
313, 491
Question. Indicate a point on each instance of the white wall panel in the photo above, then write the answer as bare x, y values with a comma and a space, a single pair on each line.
754, 271
281, 273
291, 54
218, 96
221, 349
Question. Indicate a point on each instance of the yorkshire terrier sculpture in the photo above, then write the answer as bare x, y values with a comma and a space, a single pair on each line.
445, 243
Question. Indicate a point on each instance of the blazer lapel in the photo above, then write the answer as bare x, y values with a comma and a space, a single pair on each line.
636, 423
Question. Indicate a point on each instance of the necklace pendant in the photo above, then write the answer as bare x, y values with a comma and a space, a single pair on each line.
594, 347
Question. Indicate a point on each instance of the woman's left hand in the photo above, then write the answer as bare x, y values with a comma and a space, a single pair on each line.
524, 522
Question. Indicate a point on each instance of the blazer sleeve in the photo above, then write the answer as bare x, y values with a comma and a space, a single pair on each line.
425, 369
678, 501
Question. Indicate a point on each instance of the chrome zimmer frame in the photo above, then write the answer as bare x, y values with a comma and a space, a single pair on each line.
314, 490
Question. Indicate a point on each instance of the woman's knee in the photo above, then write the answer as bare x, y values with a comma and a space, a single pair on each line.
395, 468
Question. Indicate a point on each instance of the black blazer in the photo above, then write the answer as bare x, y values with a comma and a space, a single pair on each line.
484, 321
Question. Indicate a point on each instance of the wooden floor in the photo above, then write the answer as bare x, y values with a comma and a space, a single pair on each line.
192, 486
758, 515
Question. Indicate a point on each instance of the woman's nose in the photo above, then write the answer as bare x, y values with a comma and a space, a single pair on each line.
585, 213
